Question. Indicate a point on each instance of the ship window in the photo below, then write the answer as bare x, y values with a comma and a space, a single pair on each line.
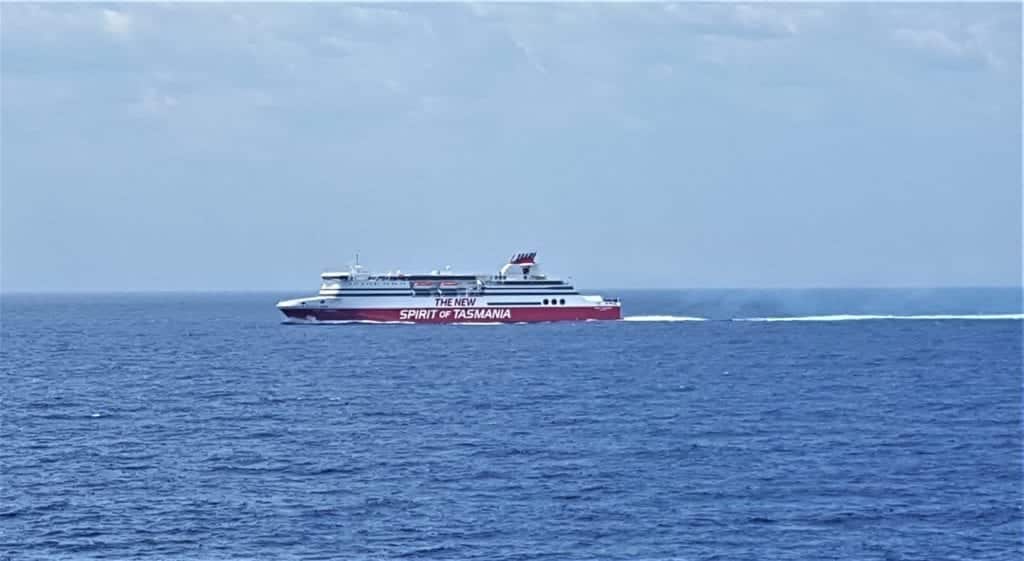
321, 301
545, 301
562, 301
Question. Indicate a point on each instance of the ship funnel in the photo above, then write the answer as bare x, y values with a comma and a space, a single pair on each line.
523, 258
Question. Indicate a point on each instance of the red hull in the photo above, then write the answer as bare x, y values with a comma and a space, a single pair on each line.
456, 315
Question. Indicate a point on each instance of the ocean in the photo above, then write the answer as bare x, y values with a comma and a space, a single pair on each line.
710, 424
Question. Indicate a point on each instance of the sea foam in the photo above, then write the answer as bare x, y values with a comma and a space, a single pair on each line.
856, 317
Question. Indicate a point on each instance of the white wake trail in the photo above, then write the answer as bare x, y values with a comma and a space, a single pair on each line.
855, 317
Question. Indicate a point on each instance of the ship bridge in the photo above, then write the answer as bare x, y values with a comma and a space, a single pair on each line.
521, 276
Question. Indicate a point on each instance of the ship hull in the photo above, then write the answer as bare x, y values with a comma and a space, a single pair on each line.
455, 315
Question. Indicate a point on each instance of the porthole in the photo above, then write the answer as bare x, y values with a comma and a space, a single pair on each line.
562, 301
545, 301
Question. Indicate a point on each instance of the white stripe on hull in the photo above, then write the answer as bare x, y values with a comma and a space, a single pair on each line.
398, 302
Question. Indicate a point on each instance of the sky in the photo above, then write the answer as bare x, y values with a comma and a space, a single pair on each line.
250, 147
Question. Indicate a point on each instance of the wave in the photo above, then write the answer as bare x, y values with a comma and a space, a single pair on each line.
662, 318
855, 317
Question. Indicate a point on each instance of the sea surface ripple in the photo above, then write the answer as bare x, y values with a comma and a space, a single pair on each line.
179, 426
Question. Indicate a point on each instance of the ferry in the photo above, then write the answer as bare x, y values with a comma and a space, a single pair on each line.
518, 292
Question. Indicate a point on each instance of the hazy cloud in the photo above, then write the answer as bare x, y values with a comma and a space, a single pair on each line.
705, 143
939, 46
117, 23
747, 21
155, 102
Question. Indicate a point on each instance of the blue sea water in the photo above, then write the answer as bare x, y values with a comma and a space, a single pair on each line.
198, 426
